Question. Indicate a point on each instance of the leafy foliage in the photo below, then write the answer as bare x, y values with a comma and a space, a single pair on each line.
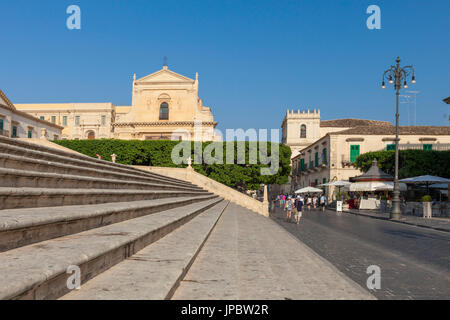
411, 162
427, 198
158, 153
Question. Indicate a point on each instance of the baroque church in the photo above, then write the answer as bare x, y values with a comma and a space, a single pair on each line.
165, 105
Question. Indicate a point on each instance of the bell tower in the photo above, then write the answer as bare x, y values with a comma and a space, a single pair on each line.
300, 128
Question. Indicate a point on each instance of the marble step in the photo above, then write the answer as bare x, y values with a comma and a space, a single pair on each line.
22, 148
31, 179
39, 271
15, 198
11, 161
154, 272
21, 227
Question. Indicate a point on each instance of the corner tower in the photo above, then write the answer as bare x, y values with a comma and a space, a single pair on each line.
300, 128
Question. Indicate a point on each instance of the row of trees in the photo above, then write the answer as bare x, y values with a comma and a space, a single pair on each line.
411, 162
245, 172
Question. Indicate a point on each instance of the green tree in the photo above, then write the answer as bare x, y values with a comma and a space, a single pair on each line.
411, 162
158, 153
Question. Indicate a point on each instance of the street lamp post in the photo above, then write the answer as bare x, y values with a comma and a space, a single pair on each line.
396, 75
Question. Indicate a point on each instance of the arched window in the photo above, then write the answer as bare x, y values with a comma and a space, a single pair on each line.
164, 111
303, 131
91, 135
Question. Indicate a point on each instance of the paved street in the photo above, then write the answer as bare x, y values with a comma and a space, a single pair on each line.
414, 261
248, 256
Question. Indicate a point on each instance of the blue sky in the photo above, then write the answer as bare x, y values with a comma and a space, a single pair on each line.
255, 58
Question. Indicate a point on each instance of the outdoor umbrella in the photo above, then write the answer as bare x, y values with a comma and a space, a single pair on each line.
427, 180
339, 184
309, 190
389, 186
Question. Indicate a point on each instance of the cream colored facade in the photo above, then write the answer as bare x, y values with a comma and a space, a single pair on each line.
79, 120
165, 105
146, 119
18, 124
330, 157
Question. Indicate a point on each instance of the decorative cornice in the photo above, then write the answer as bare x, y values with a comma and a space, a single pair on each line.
427, 139
163, 123
9, 104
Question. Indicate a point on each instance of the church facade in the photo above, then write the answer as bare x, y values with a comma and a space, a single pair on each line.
165, 105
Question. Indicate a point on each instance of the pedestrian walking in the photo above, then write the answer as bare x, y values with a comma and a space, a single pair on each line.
113, 157
299, 211
289, 207
322, 202
314, 202
308, 202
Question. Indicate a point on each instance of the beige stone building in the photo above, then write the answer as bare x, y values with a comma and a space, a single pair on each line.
19, 124
337, 143
165, 105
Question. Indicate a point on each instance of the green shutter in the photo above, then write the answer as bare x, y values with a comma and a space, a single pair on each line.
354, 152
390, 147
324, 156
316, 159
30, 134
1, 124
315, 182
428, 147
42, 117
302, 164
324, 180
14, 132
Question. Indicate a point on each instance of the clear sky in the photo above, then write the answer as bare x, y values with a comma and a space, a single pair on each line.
255, 58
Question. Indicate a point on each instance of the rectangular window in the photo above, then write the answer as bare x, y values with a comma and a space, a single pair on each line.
1, 124
316, 159
324, 156
30, 133
53, 119
103, 120
77, 120
428, 147
302, 164
42, 117
316, 182
390, 147
324, 180
64, 121
354, 152
14, 131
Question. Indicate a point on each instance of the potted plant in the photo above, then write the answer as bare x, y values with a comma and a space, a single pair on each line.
426, 203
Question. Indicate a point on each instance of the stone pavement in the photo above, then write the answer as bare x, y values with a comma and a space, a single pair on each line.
414, 262
248, 256
441, 224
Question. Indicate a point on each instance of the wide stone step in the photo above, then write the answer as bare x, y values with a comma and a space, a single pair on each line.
39, 271
154, 272
20, 148
10, 161
20, 227
32, 179
14, 198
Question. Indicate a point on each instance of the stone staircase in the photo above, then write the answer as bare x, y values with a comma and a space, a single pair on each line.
60, 209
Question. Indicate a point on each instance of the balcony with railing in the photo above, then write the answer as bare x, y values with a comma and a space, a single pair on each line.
345, 160
4, 133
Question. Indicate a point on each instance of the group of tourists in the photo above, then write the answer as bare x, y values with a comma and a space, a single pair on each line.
293, 205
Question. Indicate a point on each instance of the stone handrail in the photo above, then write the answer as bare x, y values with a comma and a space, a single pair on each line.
189, 175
